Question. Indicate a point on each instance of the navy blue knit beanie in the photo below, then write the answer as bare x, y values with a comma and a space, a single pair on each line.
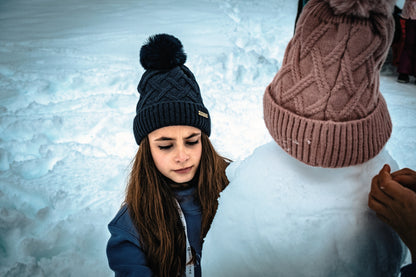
169, 93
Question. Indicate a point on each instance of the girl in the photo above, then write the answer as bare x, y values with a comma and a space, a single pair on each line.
407, 61
177, 176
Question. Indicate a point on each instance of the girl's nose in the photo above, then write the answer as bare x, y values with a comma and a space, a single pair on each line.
181, 155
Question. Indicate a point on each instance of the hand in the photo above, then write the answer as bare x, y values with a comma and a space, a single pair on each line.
406, 177
396, 204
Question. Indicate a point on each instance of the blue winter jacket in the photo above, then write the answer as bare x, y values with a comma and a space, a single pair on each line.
124, 252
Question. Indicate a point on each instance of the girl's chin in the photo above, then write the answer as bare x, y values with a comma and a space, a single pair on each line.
181, 181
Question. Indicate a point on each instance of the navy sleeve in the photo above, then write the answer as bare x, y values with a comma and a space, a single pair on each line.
408, 270
125, 255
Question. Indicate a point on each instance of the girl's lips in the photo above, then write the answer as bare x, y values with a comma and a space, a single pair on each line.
184, 170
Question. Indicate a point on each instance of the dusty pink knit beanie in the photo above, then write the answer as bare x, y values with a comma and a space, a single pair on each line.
324, 106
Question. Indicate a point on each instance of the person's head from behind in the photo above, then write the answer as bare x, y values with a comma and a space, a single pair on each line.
172, 128
324, 106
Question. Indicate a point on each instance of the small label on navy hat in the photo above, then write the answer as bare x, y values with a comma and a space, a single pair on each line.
202, 114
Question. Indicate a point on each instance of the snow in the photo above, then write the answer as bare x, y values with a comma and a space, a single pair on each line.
68, 77
291, 219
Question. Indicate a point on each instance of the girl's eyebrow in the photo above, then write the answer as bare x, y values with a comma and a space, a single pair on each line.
163, 138
167, 138
193, 135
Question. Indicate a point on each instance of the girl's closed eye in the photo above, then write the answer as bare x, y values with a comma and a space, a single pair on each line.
165, 147
191, 143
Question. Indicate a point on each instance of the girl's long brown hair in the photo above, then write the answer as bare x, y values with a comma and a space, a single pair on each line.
153, 209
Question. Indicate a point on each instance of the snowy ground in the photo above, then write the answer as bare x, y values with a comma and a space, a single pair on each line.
68, 77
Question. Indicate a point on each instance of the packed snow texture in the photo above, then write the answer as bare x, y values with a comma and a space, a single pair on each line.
68, 77
291, 219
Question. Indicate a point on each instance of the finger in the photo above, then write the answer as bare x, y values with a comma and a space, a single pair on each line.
394, 190
386, 169
389, 186
376, 205
382, 211
407, 181
404, 171
377, 193
384, 174
386, 220
406, 177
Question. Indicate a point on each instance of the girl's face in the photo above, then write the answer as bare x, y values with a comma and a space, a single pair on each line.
176, 151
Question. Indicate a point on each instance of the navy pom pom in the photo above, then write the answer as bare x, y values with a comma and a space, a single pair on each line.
162, 51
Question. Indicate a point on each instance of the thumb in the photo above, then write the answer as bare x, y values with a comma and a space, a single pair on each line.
386, 169
388, 185
384, 175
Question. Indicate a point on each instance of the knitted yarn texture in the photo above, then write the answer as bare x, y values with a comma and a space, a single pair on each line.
169, 93
324, 106
409, 10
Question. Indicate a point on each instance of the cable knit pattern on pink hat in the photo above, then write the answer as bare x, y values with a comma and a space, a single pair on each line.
324, 106
362, 8
409, 10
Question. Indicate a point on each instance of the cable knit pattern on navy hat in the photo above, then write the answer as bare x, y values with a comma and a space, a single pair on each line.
169, 93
